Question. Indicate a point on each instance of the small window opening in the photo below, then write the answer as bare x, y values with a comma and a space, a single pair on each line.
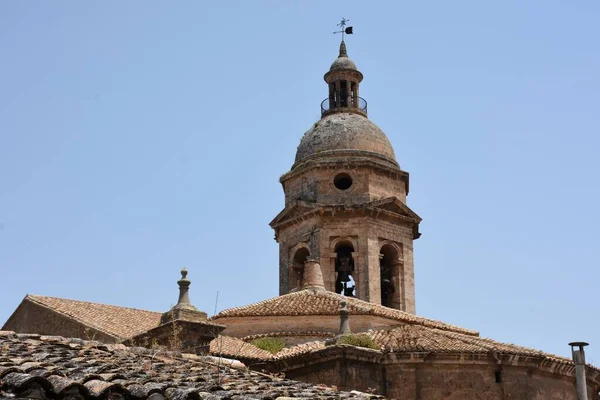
344, 266
342, 181
498, 375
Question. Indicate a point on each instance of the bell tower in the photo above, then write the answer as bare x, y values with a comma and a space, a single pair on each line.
345, 203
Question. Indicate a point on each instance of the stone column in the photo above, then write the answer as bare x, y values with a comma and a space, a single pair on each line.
358, 260
348, 93
374, 280
398, 278
338, 92
409, 277
284, 270
330, 278
331, 96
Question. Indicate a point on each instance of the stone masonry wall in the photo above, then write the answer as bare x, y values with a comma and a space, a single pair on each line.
365, 229
33, 318
366, 233
382, 185
368, 184
344, 374
447, 380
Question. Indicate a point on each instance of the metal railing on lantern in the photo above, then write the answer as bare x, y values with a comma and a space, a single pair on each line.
326, 109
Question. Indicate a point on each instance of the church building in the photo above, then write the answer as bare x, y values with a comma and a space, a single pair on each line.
346, 313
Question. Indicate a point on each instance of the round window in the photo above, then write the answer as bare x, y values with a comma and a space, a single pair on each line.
342, 181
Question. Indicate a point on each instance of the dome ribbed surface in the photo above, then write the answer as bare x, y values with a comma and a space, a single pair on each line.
344, 132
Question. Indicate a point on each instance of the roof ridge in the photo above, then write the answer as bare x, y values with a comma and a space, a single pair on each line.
357, 307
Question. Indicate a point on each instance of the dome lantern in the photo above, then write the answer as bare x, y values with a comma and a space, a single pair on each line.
343, 79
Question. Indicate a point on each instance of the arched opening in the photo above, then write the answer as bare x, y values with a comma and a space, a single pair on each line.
389, 265
296, 269
344, 268
343, 94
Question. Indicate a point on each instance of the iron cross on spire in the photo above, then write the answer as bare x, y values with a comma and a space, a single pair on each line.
344, 29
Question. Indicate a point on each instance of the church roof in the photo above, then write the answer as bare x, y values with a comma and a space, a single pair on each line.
414, 338
120, 322
422, 339
34, 366
311, 302
402, 339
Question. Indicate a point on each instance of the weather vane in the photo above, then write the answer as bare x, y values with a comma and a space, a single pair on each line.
343, 28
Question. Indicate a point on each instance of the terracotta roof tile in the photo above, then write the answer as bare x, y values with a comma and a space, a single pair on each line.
321, 302
414, 338
290, 352
289, 334
227, 346
418, 338
120, 322
74, 368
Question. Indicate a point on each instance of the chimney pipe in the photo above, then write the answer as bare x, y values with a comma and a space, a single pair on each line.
579, 359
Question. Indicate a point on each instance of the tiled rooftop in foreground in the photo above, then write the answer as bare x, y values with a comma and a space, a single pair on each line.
51, 367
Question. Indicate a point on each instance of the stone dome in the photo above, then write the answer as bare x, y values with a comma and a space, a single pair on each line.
343, 133
343, 63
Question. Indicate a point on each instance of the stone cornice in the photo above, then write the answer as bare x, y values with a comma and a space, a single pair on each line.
371, 208
335, 158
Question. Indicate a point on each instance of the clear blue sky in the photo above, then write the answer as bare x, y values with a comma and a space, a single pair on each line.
138, 137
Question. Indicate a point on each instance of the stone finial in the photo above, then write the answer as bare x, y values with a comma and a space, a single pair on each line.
344, 324
184, 289
343, 52
313, 276
183, 310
